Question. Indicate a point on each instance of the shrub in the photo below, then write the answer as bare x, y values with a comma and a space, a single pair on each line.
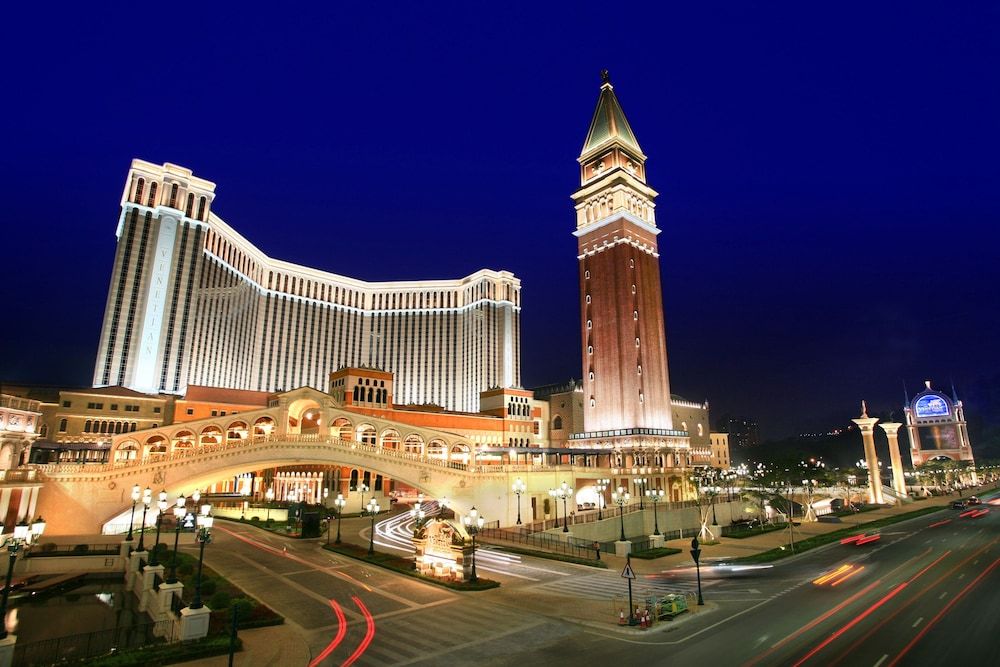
255, 519
244, 607
208, 586
186, 568
219, 601
81, 548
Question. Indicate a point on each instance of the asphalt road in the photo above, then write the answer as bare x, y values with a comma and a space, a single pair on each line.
922, 594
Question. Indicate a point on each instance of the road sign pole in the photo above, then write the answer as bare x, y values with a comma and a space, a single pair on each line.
631, 609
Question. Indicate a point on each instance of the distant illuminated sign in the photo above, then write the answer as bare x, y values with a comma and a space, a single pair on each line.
931, 406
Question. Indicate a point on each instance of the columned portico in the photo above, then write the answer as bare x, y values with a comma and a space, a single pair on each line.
892, 433
867, 426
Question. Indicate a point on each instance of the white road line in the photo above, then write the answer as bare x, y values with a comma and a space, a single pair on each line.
962, 576
506, 573
929, 541
917, 622
881, 660
975, 562
941, 597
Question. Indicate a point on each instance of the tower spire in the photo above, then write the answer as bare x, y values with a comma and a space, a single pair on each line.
609, 125
906, 395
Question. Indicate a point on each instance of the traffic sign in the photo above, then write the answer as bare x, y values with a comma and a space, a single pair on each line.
627, 573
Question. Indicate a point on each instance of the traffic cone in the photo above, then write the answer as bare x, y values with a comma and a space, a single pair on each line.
621, 617
645, 621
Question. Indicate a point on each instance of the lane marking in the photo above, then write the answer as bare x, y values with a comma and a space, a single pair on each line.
961, 576
881, 660
941, 597
917, 622
944, 610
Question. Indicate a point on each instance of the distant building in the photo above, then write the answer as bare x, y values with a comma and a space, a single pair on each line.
720, 451
743, 432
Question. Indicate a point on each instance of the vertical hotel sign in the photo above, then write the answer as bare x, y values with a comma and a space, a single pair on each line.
152, 322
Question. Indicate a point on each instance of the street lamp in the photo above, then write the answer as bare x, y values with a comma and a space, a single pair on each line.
147, 500
205, 521
180, 509
655, 496
641, 483
245, 492
363, 488
23, 536
519, 488
473, 524
161, 506
269, 497
602, 486
696, 554
565, 492
555, 502
372, 510
418, 512
339, 503
131, 517
621, 496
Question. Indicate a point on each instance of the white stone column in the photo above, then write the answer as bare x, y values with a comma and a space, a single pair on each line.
4, 502
22, 506
867, 426
892, 433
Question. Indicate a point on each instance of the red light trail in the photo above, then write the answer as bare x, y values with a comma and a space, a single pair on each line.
339, 637
369, 633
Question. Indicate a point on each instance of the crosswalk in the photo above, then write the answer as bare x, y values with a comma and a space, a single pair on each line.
602, 586
422, 636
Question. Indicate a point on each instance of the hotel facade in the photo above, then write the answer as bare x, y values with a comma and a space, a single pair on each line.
192, 302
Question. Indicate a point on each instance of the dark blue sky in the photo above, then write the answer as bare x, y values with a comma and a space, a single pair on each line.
828, 177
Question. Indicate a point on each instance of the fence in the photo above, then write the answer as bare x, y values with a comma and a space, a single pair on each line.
571, 547
73, 648
49, 549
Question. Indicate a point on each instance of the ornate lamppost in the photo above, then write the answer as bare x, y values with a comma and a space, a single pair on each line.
655, 496
621, 497
339, 503
180, 510
204, 536
417, 513
161, 506
269, 497
555, 503
519, 487
641, 483
602, 486
22, 538
363, 488
473, 524
147, 500
136, 494
565, 492
372, 509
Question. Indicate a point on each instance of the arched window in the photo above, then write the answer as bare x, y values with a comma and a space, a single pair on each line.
591, 376
590, 325
701, 429
152, 195
86, 427
557, 422
586, 275
354, 480
588, 298
590, 349
62, 425
173, 196
189, 209
201, 208
357, 393
140, 186
593, 403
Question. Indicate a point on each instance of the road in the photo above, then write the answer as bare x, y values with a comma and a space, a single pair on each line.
919, 595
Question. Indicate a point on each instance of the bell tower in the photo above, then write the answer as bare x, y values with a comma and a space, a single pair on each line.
625, 377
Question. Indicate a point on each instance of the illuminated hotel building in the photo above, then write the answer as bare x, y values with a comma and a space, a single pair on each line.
191, 301
936, 426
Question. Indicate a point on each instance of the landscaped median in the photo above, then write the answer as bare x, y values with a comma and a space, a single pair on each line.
404, 565
659, 552
564, 558
835, 536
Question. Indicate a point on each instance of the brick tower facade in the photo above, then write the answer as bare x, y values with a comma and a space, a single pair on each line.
625, 377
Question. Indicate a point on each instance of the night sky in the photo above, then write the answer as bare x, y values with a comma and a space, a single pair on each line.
828, 176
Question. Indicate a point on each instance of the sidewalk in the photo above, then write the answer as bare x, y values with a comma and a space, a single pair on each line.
262, 647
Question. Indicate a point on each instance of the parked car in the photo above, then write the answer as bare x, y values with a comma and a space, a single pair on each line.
958, 505
974, 501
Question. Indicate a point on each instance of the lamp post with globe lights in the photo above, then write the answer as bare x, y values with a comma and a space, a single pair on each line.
269, 497
22, 538
161, 507
641, 484
554, 494
602, 486
473, 524
519, 487
655, 496
339, 503
147, 500
204, 536
136, 494
372, 510
180, 510
363, 488
565, 492
621, 497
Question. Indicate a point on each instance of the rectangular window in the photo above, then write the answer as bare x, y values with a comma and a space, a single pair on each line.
190, 411
67, 404
156, 409
114, 406
215, 413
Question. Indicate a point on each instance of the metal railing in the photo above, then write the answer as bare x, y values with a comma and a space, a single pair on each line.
538, 541
48, 550
75, 648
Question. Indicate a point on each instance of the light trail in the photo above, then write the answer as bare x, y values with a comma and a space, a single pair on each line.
339, 637
369, 633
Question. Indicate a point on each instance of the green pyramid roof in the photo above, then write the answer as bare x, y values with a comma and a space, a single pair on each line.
609, 123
